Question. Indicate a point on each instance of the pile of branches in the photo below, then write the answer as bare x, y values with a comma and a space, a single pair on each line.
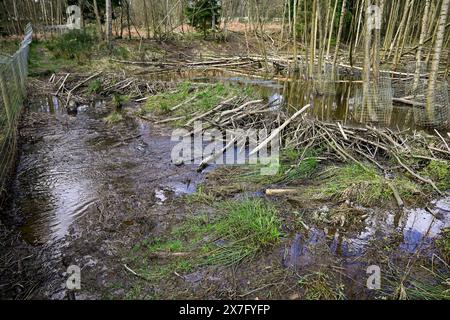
78, 86
361, 145
236, 113
209, 63
381, 147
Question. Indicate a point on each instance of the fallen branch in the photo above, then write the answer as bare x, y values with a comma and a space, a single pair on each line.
279, 129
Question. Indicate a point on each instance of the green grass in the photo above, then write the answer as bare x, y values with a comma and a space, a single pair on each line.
44, 63
433, 285
200, 196
114, 117
364, 186
439, 172
242, 229
119, 100
289, 170
206, 98
73, 45
94, 86
443, 244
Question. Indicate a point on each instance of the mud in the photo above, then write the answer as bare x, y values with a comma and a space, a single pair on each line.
80, 180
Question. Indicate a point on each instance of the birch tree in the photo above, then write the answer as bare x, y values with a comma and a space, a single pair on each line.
436, 59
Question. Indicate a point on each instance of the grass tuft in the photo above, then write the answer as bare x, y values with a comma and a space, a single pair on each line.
319, 286
364, 186
114, 117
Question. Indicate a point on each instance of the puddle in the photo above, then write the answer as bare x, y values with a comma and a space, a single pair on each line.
418, 227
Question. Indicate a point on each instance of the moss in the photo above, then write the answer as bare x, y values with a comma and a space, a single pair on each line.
439, 172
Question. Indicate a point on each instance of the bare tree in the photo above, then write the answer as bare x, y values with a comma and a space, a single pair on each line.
436, 60
108, 31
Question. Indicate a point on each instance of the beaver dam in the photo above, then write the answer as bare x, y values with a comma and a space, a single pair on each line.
263, 164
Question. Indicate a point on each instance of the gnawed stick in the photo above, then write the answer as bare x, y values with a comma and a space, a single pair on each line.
214, 156
183, 103
397, 197
342, 131
430, 182
220, 106
281, 192
279, 129
62, 84
170, 120
242, 107
443, 140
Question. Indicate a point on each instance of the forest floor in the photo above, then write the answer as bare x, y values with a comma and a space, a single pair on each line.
96, 187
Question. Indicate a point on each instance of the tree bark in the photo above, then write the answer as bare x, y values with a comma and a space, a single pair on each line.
436, 59
108, 24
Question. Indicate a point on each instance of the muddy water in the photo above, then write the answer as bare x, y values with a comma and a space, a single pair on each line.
70, 165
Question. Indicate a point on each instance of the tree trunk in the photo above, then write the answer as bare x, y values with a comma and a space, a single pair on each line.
338, 39
108, 23
436, 59
147, 26
97, 18
423, 34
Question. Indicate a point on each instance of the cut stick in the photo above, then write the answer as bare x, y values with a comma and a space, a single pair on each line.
342, 131
397, 197
240, 108
62, 84
183, 103
443, 140
170, 120
279, 129
79, 84
214, 156
281, 192
409, 102
209, 112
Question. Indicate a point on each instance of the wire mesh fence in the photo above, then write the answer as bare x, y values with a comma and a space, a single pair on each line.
431, 109
13, 77
373, 102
